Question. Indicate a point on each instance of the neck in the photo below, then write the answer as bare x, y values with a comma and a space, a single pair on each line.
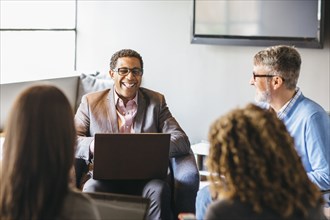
125, 99
282, 97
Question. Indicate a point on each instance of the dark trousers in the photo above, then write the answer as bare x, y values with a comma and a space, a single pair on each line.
158, 191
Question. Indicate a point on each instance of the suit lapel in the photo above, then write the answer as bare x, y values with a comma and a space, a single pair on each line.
140, 115
112, 113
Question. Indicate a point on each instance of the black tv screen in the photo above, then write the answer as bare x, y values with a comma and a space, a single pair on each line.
258, 22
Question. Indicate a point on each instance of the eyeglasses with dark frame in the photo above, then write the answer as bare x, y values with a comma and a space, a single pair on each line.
124, 71
262, 75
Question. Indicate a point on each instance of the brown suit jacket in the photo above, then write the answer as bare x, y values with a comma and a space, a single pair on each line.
97, 114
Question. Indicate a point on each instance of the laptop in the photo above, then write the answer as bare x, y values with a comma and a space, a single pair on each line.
118, 206
131, 156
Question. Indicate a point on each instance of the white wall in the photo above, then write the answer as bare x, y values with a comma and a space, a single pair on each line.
200, 82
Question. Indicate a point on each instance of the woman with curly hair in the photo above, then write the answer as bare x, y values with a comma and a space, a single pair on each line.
255, 172
37, 160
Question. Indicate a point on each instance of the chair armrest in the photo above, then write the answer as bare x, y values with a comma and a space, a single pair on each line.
186, 183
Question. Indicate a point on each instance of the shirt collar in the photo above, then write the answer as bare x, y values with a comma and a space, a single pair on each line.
117, 98
288, 106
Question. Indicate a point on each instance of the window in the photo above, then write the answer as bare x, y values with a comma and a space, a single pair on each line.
37, 39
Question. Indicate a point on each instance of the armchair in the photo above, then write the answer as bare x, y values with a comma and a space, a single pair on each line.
185, 183
184, 174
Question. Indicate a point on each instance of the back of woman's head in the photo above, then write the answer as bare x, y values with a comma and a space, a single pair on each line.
38, 154
252, 158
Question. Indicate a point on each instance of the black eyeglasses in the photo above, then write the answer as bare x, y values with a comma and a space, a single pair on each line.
124, 71
262, 75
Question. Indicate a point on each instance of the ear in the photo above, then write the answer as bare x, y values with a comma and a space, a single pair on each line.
111, 73
277, 82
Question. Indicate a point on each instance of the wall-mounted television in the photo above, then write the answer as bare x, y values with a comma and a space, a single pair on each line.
259, 22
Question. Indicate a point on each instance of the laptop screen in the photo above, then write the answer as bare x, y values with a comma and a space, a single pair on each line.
118, 206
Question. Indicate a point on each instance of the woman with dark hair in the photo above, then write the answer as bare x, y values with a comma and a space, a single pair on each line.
37, 160
255, 171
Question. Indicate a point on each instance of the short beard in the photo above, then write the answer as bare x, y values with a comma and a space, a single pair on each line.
263, 96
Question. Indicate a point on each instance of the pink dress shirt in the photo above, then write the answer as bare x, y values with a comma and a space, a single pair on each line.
126, 114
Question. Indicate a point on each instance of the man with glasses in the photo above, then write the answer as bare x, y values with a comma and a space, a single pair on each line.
129, 108
275, 76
